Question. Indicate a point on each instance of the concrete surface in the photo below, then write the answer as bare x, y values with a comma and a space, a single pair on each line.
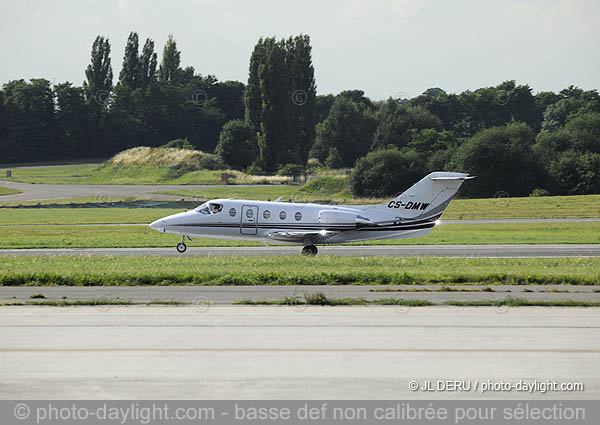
504, 251
220, 295
287, 353
44, 192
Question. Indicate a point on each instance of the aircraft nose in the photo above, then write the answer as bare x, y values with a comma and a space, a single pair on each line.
158, 225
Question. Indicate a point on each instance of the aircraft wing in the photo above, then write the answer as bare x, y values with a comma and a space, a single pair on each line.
308, 237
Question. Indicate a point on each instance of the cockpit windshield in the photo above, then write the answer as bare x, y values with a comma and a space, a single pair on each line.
209, 208
203, 209
216, 208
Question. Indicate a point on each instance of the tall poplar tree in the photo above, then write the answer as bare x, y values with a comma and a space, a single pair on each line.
304, 93
130, 70
280, 100
170, 69
148, 62
99, 75
252, 95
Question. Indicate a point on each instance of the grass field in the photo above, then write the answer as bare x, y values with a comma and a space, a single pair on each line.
130, 174
322, 270
7, 191
66, 236
49, 174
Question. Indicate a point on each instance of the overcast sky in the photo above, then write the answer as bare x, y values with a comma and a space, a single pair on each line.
384, 47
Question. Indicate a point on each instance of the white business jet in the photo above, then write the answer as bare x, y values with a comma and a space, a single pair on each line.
411, 214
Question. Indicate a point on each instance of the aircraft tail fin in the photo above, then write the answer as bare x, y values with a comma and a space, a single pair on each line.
427, 198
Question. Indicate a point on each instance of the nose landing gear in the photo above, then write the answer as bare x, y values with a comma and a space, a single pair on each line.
181, 246
310, 250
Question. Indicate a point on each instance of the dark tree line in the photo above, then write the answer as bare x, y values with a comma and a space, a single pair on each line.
151, 104
515, 141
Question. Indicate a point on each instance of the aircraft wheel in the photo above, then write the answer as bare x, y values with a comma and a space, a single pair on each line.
181, 247
310, 250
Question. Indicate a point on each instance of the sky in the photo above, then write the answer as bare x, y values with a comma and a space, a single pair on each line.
387, 48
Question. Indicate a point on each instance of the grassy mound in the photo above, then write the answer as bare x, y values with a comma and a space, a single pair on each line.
326, 184
159, 157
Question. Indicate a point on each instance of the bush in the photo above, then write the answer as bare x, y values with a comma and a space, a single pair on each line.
539, 192
291, 170
211, 162
179, 144
334, 160
254, 170
385, 173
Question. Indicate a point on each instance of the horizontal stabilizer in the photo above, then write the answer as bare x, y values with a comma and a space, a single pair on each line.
453, 178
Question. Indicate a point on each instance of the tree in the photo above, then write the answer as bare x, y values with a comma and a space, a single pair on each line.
280, 100
130, 70
395, 123
237, 145
32, 129
385, 172
73, 115
348, 128
99, 76
253, 94
501, 159
323, 104
147, 65
170, 70
229, 96
274, 116
569, 156
334, 159
303, 94
435, 147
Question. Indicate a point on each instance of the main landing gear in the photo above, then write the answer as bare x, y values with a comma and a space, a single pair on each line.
181, 246
310, 250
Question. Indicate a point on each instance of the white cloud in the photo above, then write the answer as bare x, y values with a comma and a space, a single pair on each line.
360, 9
407, 8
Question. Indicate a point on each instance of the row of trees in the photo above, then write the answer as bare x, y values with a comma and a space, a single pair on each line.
150, 104
514, 140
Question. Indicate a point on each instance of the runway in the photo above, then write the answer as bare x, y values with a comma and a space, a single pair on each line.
288, 353
498, 251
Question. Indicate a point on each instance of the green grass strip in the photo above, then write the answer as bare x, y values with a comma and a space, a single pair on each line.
276, 270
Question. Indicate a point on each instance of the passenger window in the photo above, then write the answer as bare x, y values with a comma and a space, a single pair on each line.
232, 212
282, 215
266, 214
249, 213
298, 216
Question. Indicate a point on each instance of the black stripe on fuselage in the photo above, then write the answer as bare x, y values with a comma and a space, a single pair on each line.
341, 227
